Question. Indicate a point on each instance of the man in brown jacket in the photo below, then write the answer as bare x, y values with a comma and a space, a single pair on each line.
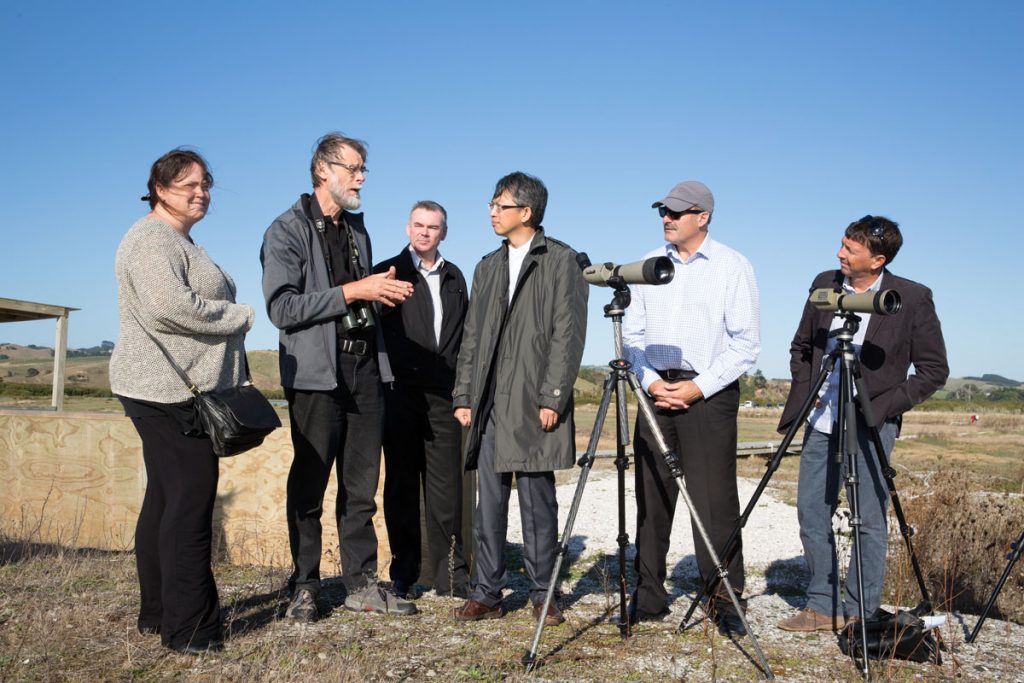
886, 346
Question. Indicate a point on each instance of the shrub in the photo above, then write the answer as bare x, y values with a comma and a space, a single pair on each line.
962, 539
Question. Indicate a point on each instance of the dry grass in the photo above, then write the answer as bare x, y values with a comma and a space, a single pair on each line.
69, 615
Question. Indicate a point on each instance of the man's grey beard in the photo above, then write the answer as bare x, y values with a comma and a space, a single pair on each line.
340, 198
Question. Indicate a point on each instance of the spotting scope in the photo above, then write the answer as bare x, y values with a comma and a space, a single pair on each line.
653, 271
883, 302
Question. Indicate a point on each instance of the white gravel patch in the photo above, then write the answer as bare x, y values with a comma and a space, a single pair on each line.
772, 531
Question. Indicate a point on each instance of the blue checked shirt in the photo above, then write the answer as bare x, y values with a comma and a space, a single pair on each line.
707, 319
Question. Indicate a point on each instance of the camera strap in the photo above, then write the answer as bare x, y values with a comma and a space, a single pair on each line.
353, 250
316, 215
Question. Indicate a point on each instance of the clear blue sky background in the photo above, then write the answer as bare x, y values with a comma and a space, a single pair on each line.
800, 116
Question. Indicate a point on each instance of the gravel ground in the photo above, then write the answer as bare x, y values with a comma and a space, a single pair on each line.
776, 579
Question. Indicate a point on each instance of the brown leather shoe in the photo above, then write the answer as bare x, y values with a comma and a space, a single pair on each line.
807, 620
554, 616
474, 610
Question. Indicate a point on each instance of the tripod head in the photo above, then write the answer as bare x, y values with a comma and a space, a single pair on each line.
621, 298
851, 323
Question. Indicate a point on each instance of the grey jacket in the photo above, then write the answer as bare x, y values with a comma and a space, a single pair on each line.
302, 303
532, 364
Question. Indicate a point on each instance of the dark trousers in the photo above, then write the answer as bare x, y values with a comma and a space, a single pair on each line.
538, 511
343, 428
704, 437
422, 451
174, 534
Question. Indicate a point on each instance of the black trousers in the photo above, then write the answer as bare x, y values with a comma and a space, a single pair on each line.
422, 451
538, 514
174, 534
704, 437
342, 428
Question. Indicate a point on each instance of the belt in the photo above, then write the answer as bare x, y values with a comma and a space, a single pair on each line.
676, 375
357, 347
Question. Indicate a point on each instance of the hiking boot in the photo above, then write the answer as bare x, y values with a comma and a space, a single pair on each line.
807, 620
376, 598
303, 606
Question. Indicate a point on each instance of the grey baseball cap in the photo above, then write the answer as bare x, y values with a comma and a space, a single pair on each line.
686, 195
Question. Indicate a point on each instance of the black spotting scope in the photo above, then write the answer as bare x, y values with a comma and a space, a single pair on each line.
653, 271
883, 302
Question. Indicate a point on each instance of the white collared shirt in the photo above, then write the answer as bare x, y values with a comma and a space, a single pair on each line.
825, 412
516, 256
707, 319
433, 278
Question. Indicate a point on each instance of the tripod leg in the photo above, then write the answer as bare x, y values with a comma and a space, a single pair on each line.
672, 460
1014, 556
586, 463
729, 550
890, 474
847, 452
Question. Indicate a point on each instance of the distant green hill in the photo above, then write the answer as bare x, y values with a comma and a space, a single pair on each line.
995, 380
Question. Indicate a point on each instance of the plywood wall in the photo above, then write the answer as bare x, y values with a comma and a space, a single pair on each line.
78, 479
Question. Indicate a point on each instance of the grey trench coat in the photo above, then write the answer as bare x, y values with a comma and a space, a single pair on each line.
530, 350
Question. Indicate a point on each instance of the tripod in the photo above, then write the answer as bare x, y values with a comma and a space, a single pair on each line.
849, 378
1015, 550
616, 382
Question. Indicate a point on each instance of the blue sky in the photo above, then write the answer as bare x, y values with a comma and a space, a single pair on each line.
800, 116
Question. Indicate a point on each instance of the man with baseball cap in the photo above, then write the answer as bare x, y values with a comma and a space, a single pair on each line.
689, 341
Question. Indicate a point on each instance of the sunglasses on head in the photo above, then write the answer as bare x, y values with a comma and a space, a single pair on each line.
876, 228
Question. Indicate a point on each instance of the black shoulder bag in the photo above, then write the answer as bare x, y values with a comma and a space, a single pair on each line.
235, 419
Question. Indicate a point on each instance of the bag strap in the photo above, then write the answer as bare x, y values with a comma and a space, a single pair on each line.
181, 373
192, 388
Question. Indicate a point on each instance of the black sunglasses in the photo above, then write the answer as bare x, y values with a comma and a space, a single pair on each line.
676, 215
876, 228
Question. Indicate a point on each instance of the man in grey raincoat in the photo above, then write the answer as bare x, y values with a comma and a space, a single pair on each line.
520, 354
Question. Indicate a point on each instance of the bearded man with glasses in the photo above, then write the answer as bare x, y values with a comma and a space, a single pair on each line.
323, 297
886, 347
689, 341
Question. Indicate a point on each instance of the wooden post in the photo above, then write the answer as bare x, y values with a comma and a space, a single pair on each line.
60, 353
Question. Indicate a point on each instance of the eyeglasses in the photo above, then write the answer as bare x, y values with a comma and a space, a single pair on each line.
351, 168
501, 207
676, 215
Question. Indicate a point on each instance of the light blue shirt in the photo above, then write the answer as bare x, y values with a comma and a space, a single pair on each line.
825, 413
707, 319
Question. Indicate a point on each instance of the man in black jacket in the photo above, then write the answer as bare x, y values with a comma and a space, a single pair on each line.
421, 436
886, 347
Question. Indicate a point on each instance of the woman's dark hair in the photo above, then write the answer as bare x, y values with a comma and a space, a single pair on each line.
169, 168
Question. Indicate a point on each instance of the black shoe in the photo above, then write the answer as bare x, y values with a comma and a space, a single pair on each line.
199, 649
460, 591
401, 588
636, 615
303, 606
729, 623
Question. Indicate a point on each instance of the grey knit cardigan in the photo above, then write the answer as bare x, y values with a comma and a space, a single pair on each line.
187, 302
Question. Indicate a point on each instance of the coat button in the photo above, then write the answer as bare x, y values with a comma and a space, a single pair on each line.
558, 392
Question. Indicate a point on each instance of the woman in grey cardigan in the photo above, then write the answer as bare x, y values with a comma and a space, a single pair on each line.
169, 288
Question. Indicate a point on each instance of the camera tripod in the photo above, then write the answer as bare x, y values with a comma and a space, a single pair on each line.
1015, 550
849, 379
616, 382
